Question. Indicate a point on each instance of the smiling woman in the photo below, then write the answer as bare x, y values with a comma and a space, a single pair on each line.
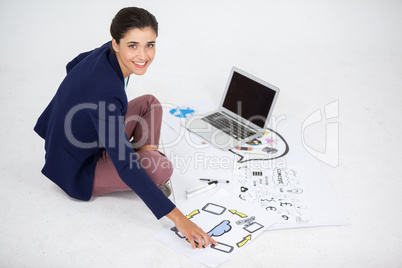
135, 51
93, 135
133, 40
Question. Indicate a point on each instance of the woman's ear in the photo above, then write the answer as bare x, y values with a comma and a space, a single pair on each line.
115, 45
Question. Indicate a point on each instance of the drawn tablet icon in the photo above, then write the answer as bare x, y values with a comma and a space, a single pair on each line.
255, 226
222, 247
214, 209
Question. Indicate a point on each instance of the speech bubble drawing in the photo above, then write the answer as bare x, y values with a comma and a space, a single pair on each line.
221, 228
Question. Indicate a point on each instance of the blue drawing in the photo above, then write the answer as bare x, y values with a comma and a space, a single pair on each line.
182, 112
220, 229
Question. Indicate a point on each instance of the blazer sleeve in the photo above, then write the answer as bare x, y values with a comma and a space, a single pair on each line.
109, 123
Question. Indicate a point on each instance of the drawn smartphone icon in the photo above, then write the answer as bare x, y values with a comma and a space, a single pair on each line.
223, 247
214, 209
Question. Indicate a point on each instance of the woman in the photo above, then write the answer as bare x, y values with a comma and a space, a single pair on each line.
88, 125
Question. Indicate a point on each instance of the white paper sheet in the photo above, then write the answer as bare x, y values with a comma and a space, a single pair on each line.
279, 189
232, 223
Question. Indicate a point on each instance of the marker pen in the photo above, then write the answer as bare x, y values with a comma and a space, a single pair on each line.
201, 189
203, 179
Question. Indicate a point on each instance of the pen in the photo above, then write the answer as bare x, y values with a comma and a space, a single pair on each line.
201, 189
203, 179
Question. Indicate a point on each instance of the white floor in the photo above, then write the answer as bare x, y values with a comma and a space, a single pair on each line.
317, 52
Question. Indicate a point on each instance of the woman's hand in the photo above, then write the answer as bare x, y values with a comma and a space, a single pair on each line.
190, 230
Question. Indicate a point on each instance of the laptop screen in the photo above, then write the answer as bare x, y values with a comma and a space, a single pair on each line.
249, 99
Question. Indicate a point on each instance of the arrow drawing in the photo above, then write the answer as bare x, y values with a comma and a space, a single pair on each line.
192, 214
244, 241
234, 212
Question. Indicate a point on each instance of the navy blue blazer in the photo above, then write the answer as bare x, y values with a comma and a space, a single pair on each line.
86, 117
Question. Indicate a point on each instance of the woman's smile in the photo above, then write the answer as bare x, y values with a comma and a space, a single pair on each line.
140, 64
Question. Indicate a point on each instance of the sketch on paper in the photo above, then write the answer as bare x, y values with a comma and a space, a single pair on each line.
271, 146
192, 214
278, 190
231, 222
220, 229
223, 248
243, 241
225, 226
214, 209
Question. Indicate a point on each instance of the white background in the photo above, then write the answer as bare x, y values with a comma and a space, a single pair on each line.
316, 52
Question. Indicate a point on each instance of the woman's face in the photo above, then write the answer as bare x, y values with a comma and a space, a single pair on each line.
135, 51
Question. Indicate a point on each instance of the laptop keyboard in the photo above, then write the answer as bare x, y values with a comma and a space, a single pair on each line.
229, 126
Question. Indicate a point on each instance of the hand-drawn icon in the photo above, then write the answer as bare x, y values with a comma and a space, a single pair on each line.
296, 191
285, 217
284, 204
270, 150
269, 200
182, 112
244, 241
271, 208
280, 177
246, 221
176, 231
192, 214
223, 247
243, 189
283, 149
253, 227
235, 212
220, 229
257, 173
214, 209
254, 142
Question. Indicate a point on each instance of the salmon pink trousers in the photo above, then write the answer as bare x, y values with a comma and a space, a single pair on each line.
143, 126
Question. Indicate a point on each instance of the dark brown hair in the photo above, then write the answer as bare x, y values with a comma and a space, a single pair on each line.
132, 18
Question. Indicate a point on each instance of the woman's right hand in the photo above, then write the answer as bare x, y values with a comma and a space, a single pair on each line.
190, 230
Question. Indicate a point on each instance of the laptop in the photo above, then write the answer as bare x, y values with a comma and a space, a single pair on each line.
243, 113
